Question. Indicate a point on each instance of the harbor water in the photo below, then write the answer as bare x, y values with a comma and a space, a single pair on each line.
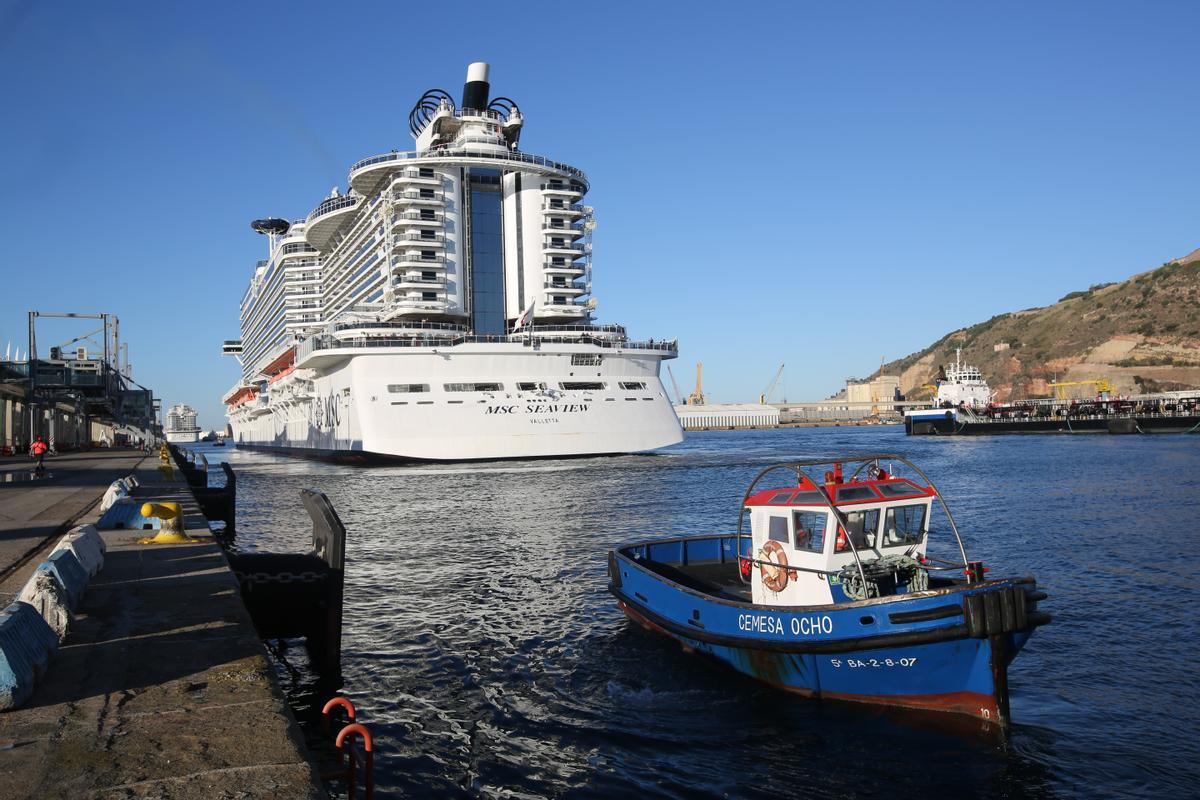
483, 650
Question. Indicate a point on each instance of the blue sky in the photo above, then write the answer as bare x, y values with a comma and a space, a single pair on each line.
823, 184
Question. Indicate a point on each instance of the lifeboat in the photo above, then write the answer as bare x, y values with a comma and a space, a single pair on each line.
828, 590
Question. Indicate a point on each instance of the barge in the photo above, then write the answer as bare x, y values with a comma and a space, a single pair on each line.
1177, 412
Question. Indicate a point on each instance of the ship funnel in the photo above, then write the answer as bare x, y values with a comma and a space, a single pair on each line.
475, 90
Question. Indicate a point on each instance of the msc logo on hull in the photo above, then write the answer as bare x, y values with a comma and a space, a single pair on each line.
327, 411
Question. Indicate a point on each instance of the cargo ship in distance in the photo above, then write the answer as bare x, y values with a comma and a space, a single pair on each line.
440, 309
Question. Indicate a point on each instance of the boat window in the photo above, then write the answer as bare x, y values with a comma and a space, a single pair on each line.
904, 525
897, 490
777, 529
633, 385
582, 385
810, 530
808, 497
401, 388
854, 493
530, 386
861, 528
780, 498
474, 387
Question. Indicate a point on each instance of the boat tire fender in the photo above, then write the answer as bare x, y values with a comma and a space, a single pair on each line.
999, 610
614, 569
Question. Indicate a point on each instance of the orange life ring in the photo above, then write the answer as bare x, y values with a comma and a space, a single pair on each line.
774, 574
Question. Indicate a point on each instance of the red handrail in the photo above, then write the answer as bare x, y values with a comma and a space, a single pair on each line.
369, 768
332, 704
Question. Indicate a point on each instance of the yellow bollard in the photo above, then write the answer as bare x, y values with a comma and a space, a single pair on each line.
171, 531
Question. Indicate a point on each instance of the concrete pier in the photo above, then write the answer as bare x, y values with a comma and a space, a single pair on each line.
33, 510
162, 687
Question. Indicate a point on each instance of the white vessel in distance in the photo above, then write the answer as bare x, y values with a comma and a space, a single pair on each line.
440, 309
958, 386
181, 426
961, 385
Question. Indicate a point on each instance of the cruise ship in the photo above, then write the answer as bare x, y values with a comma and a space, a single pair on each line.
439, 308
181, 425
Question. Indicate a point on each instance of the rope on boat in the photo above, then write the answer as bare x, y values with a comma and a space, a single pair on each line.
904, 569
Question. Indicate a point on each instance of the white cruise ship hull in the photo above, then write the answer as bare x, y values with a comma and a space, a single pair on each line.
345, 404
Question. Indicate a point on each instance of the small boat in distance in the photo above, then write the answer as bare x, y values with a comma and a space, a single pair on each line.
831, 593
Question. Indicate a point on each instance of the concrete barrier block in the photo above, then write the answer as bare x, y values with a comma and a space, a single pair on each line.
70, 573
115, 492
26, 645
93, 533
48, 597
85, 548
125, 514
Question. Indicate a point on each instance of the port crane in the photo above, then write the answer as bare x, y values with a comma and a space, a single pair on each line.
675, 385
765, 397
697, 398
1103, 387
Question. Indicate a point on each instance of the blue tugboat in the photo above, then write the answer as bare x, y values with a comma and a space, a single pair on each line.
827, 590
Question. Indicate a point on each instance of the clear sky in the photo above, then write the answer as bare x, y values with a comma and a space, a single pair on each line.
821, 184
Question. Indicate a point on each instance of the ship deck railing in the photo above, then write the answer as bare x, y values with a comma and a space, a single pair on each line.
453, 327
450, 152
1140, 413
326, 342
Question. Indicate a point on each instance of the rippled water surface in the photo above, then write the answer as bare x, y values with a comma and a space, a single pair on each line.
485, 653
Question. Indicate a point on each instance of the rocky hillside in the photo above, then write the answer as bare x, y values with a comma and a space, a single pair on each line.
1142, 334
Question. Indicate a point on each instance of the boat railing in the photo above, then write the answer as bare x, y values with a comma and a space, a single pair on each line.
424, 326
333, 204
797, 467
580, 328
486, 113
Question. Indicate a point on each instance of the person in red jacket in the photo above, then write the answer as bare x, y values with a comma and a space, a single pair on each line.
38, 450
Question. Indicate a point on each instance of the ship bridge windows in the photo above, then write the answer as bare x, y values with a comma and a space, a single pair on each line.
851, 493
403, 388
861, 530
898, 490
904, 525
474, 387
810, 530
